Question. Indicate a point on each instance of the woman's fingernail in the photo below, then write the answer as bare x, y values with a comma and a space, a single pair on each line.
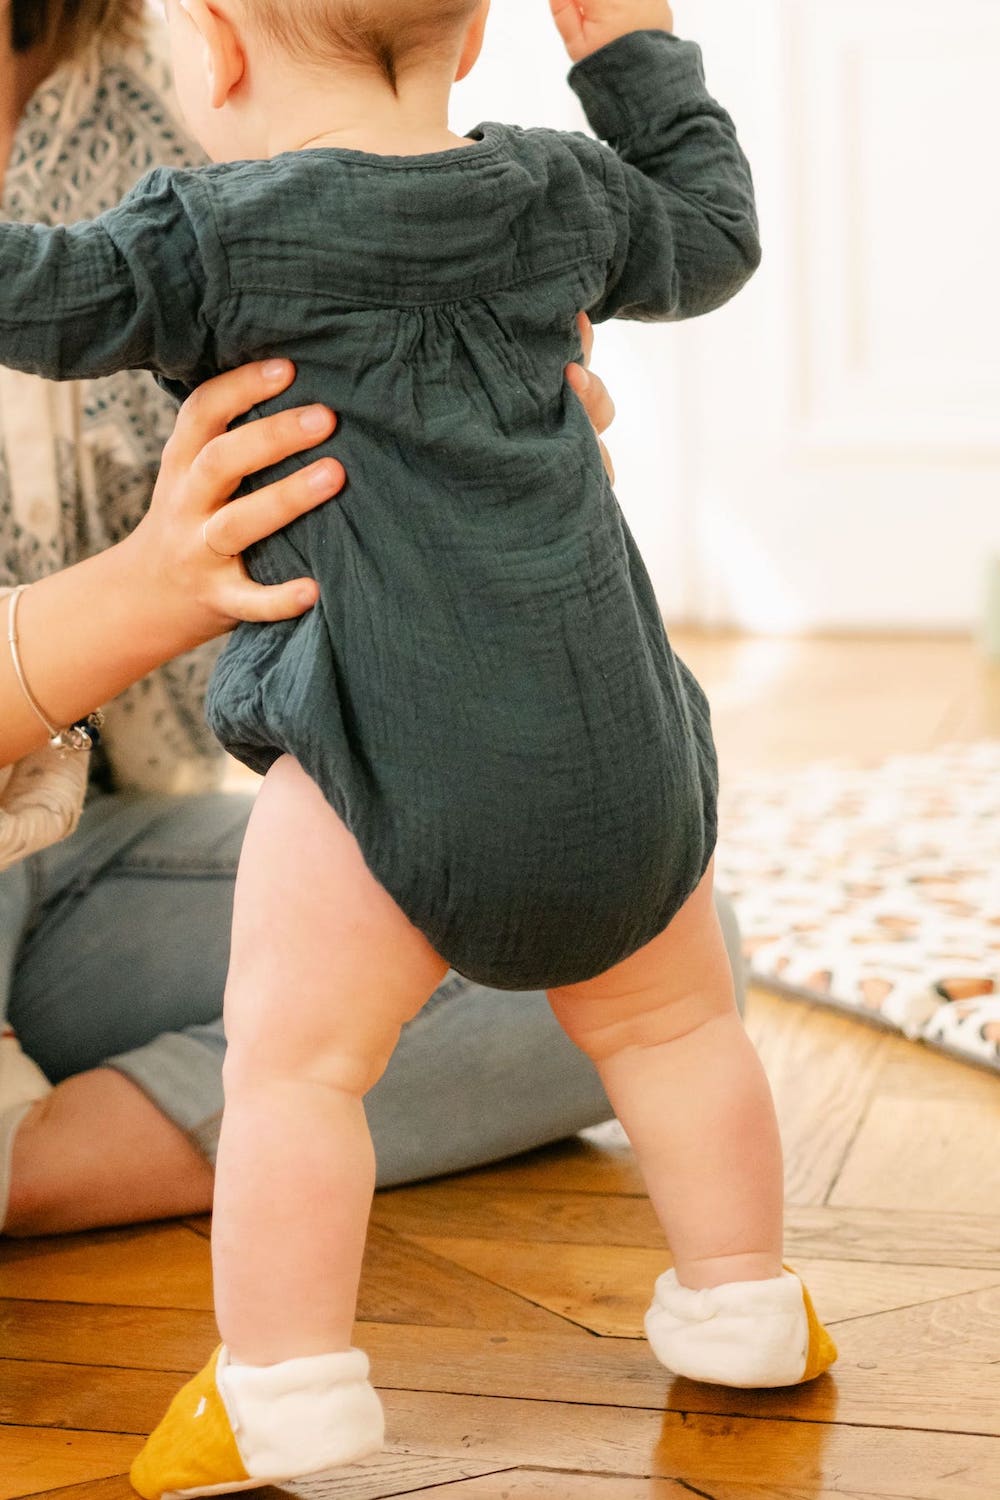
315, 419
275, 369
305, 597
322, 479
583, 378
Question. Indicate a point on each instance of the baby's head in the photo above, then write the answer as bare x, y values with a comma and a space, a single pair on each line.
224, 49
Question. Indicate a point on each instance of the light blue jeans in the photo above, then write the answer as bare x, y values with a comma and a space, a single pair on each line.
113, 952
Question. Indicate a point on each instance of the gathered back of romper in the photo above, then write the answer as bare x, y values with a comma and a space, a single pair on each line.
484, 692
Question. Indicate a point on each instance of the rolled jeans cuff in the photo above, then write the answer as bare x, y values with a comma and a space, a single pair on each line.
181, 1073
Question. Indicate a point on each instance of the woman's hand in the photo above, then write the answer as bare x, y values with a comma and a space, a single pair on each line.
592, 391
89, 631
190, 541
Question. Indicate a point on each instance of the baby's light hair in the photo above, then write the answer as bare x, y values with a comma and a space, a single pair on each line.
388, 35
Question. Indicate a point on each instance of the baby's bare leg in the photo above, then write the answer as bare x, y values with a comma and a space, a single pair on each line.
325, 971
689, 1088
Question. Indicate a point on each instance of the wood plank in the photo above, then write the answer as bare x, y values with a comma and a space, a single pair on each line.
700, 1450
454, 1211
780, 703
873, 1385
149, 1338
918, 1073
965, 1327
939, 1153
163, 1266
35, 1460
115, 1488
949, 1397
575, 1165
404, 1283
538, 1367
906, 1237
552, 1484
606, 1289
892, 1390
84, 1398
386, 1475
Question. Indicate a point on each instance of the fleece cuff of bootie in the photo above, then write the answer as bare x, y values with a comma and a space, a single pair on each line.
744, 1333
304, 1415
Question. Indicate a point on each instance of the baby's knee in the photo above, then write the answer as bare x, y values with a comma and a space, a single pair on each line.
250, 1068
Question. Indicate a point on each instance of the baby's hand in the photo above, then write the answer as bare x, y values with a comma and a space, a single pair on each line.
587, 25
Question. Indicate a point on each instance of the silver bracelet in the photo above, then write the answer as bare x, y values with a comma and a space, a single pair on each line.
82, 735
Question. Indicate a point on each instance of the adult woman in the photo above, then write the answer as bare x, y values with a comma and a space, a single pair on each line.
114, 943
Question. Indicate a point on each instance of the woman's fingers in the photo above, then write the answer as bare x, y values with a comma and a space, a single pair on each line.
217, 460
586, 328
242, 599
209, 410
593, 393
238, 525
221, 466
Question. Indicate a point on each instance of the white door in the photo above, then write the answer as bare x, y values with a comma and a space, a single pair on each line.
845, 434
824, 453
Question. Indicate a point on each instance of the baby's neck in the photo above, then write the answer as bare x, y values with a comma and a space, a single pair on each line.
355, 110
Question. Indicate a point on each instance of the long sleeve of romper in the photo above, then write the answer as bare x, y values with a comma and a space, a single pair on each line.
125, 291
685, 225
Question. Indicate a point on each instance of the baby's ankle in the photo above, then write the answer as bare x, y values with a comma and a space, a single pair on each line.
720, 1270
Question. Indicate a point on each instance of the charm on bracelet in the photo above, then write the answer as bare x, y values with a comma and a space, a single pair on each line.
85, 733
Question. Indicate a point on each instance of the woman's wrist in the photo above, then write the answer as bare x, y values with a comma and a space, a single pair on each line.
85, 634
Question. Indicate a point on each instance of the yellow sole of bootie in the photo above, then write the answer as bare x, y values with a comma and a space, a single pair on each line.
193, 1450
822, 1351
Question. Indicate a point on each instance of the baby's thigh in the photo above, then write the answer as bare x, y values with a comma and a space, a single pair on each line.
325, 967
675, 983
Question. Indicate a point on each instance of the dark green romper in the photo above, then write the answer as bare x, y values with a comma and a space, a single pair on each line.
484, 692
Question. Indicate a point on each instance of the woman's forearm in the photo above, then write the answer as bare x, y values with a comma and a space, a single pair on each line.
85, 634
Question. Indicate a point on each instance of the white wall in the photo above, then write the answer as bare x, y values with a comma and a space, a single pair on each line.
826, 451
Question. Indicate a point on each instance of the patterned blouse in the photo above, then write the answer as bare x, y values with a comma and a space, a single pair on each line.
78, 460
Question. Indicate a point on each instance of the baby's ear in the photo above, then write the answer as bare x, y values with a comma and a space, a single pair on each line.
473, 43
224, 58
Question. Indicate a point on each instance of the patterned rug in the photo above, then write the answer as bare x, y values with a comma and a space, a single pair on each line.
876, 889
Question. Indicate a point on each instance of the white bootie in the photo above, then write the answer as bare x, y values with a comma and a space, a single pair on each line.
754, 1334
239, 1427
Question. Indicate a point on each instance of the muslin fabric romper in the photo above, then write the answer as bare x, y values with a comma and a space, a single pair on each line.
484, 692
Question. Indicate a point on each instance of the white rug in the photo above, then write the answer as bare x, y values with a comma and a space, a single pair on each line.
876, 889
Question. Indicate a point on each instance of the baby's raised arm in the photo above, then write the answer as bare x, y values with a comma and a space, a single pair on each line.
681, 194
124, 291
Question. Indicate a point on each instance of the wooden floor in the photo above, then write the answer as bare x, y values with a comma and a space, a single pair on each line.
503, 1309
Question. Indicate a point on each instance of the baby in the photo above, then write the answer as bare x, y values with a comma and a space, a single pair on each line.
478, 747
